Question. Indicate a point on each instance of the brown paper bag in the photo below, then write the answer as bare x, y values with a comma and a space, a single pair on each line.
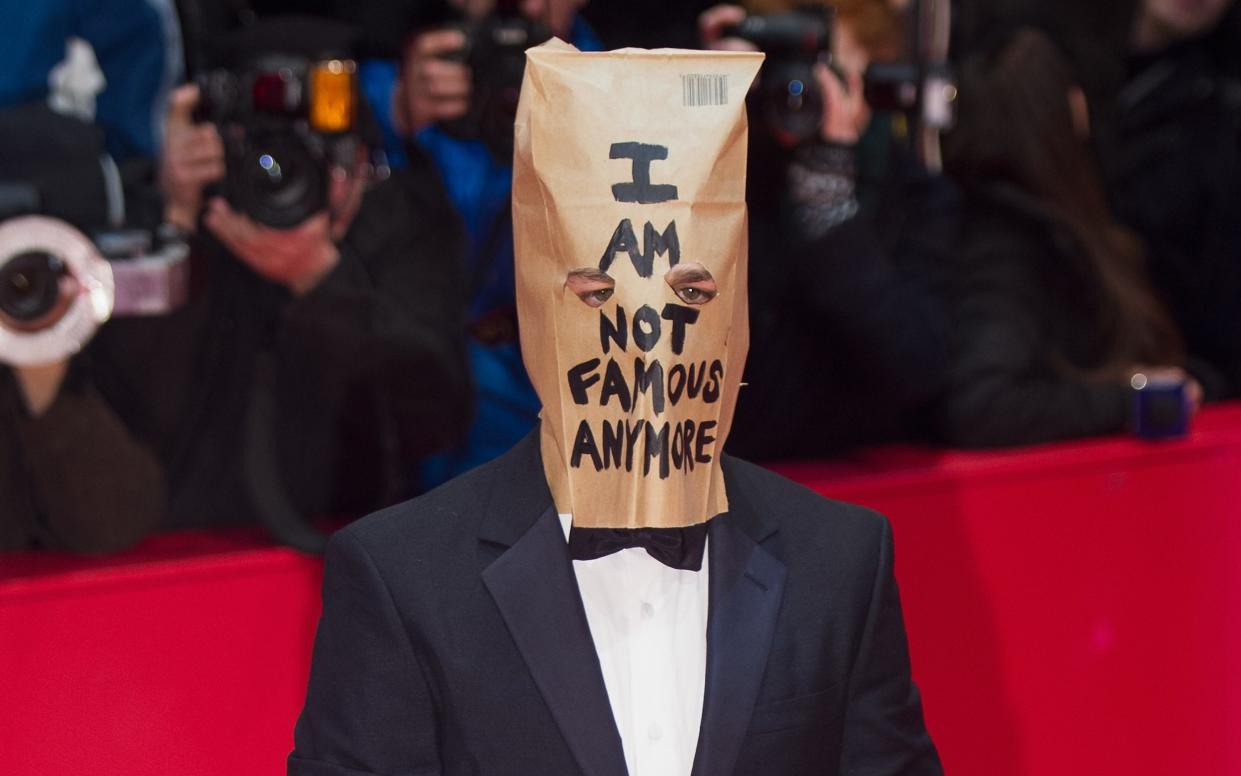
630, 227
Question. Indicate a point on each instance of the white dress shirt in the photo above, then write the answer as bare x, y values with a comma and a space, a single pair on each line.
649, 625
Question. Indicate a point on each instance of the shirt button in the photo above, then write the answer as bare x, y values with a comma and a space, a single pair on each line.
648, 611
655, 732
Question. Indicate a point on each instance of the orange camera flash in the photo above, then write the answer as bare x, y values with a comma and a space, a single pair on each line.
332, 94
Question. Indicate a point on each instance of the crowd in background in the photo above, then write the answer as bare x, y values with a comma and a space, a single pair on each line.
1084, 233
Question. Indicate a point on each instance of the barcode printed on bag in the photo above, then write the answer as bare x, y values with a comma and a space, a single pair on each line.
698, 89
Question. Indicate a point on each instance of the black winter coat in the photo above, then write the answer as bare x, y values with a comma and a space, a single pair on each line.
360, 377
1171, 146
1023, 318
849, 331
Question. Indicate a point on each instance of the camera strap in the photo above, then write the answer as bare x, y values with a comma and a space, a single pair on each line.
261, 470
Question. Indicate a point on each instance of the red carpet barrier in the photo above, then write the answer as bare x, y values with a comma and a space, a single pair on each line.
187, 656
1072, 608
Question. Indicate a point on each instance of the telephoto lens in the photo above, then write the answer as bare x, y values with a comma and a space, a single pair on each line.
30, 286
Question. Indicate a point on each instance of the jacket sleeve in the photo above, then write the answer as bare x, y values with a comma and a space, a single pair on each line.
876, 285
369, 709
1001, 390
385, 327
884, 731
82, 482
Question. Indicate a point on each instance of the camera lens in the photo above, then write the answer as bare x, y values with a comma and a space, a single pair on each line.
792, 105
279, 183
277, 177
30, 285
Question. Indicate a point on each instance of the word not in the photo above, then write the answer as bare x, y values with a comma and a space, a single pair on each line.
646, 327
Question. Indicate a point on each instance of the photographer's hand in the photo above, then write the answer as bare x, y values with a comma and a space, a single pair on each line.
301, 257
846, 114
193, 157
715, 20
40, 385
431, 88
297, 258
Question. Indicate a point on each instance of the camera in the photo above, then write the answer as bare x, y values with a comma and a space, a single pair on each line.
57, 184
285, 121
789, 101
495, 51
57, 286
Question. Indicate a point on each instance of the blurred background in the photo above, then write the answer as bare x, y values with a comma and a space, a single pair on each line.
256, 280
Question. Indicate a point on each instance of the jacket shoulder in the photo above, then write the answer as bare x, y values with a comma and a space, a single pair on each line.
451, 511
799, 511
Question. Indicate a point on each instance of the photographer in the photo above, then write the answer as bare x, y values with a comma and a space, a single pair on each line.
1170, 142
437, 103
72, 476
316, 361
1055, 322
848, 240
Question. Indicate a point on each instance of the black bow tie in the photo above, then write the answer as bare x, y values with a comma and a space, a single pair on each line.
678, 548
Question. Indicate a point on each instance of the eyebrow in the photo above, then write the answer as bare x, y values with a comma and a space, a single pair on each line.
689, 273
590, 273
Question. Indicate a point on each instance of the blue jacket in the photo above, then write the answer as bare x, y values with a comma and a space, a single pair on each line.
479, 186
137, 44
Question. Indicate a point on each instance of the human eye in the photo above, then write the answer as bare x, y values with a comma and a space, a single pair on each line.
593, 287
597, 297
694, 294
692, 283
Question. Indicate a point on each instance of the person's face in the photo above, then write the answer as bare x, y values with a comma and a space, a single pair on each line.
1187, 18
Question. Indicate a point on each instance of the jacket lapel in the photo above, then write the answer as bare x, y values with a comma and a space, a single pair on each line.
745, 591
535, 589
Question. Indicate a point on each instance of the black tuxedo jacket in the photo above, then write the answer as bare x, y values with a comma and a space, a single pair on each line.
454, 641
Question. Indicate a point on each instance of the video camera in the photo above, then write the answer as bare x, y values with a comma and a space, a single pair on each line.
790, 103
57, 285
286, 121
495, 51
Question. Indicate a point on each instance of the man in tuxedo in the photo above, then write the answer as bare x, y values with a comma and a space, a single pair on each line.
614, 595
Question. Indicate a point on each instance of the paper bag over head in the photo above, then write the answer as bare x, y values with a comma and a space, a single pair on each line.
629, 221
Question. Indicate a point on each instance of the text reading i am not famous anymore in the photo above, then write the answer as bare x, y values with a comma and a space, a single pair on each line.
620, 376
